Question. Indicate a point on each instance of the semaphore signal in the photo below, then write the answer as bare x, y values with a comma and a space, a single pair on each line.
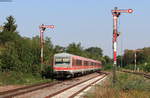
116, 13
122, 11
42, 29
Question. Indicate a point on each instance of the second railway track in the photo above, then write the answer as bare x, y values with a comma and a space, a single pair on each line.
138, 73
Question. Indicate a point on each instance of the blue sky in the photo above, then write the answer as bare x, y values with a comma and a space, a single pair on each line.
85, 21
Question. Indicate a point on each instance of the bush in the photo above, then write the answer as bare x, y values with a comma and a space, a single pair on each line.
128, 82
48, 71
13, 78
127, 86
108, 67
131, 67
147, 67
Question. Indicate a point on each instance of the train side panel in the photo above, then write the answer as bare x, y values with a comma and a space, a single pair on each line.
68, 64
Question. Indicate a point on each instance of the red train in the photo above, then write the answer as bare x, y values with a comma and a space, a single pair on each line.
69, 65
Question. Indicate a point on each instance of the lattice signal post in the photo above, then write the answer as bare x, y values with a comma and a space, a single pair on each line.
42, 29
116, 13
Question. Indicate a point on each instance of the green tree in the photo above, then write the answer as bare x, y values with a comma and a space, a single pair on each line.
48, 51
128, 57
95, 53
75, 49
9, 32
119, 60
146, 52
59, 49
107, 59
95, 50
141, 58
35, 49
10, 25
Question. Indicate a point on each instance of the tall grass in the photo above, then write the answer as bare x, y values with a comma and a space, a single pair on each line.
127, 86
19, 78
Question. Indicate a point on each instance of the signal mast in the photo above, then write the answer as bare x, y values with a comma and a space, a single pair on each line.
116, 13
42, 29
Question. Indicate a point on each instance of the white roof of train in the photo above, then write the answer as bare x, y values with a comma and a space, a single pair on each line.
63, 55
69, 55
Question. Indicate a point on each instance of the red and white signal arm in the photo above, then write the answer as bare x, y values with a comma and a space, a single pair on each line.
123, 11
130, 10
47, 26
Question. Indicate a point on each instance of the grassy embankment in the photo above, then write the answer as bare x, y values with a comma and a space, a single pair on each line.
19, 78
127, 86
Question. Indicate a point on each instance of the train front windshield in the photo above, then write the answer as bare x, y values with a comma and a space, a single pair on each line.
62, 61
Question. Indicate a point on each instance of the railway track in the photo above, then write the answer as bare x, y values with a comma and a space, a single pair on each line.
73, 90
53, 88
26, 89
138, 73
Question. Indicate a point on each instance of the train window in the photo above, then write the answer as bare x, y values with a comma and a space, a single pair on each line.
66, 60
62, 60
85, 63
58, 60
78, 62
73, 62
89, 63
92, 63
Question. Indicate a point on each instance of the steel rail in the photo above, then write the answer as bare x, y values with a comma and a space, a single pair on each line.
26, 89
56, 93
138, 73
86, 87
